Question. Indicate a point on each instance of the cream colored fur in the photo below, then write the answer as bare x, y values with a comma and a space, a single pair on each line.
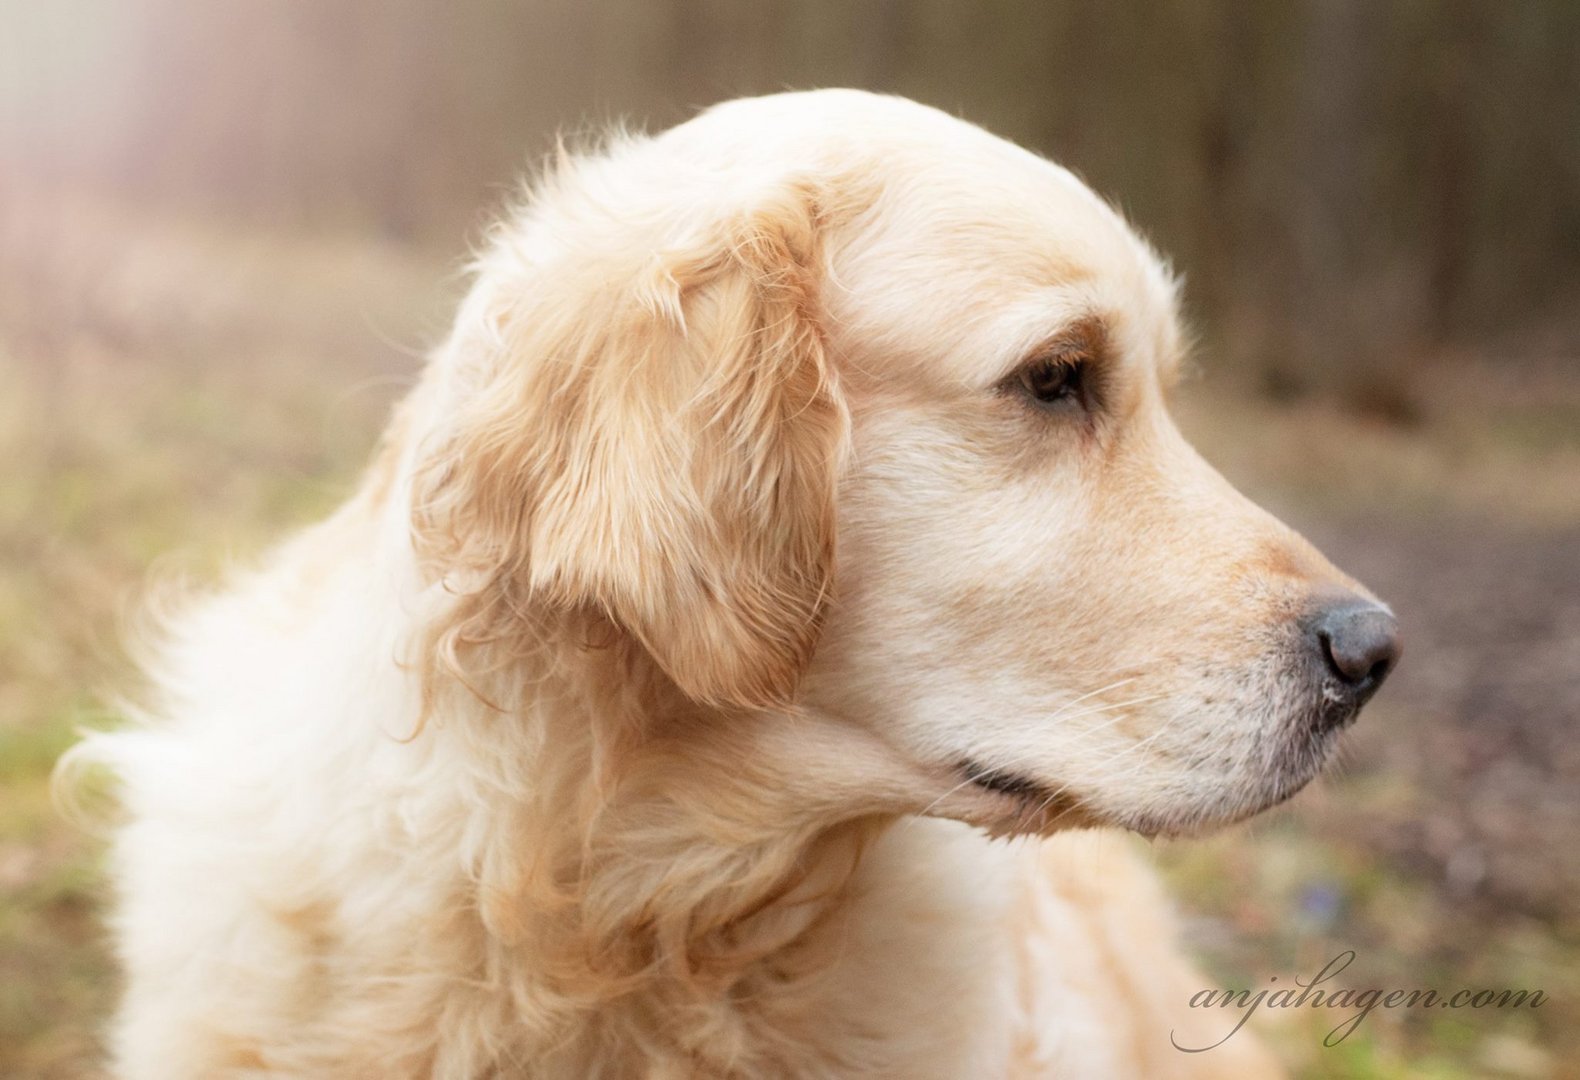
616, 727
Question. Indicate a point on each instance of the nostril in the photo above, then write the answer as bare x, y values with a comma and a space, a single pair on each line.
1360, 644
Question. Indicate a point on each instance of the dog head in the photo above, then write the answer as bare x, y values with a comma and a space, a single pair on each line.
832, 402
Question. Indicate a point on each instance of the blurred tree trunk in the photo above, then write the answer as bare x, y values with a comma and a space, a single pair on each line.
1321, 344
1450, 164
1346, 185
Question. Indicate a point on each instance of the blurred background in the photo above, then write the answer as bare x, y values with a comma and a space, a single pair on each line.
228, 231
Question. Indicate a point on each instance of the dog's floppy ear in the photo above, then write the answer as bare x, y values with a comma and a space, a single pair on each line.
644, 422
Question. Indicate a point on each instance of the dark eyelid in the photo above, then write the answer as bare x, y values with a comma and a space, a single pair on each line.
1083, 340
1057, 354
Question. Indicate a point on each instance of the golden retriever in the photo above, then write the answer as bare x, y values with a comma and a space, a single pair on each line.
793, 511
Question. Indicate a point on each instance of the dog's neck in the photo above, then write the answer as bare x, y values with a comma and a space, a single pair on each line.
655, 859
650, 872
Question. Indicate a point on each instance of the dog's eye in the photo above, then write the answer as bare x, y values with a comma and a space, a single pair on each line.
1055, 379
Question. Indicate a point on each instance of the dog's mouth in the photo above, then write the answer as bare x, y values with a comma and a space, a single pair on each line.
1003, 781
1019, 804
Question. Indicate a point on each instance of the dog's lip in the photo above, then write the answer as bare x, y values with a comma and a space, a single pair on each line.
1006, 802
1335, 712
1002, 781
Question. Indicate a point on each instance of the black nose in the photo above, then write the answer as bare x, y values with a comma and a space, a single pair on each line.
1360, 642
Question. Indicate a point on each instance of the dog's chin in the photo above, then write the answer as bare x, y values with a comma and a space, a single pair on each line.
1197, 818
1011, 803
1230, 801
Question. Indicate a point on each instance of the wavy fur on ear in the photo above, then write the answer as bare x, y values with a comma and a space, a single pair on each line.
641, 421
